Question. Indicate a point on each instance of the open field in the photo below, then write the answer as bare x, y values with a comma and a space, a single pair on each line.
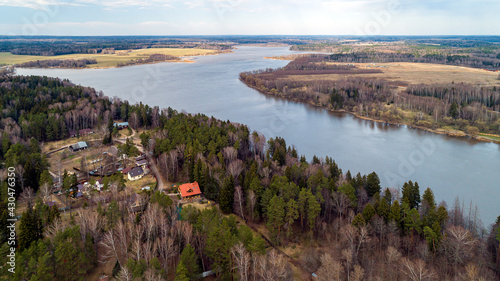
108, 60
416, 73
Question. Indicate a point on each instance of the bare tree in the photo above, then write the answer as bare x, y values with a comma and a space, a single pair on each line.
230, 153
27, 195
239, 201
242, 261
252, 201
330, 269
358, 273
272, 267
340, 202
347, 255
124, 274
458, 245
235, 168
150, 220
173, 159
56, 227
416, 271
115, 243
46, 190
90, 223
20, 171
137, 237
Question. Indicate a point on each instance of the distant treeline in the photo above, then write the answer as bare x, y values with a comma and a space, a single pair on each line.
80, 63
151, 59
483, 61
95, 45
314, 65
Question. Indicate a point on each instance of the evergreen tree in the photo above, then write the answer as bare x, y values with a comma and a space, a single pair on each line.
411, 194
276, 216
112, 214
358, 221
428, 198
226, 197
350, 192
292, 214
314, 208
181, 273
368, 212
372, 184
30, 228
190, 260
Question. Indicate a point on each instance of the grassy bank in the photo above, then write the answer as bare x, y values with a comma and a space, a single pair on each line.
108, 60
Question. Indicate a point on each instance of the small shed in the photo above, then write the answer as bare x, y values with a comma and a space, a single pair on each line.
121, 125
81, 145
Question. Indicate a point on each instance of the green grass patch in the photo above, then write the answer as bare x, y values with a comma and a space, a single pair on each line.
496, 138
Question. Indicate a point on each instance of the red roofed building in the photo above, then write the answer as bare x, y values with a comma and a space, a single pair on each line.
189, 190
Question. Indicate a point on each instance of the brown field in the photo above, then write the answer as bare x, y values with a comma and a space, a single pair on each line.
110, 60
416, 73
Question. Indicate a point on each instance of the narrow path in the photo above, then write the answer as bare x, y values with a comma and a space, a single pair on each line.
59, 149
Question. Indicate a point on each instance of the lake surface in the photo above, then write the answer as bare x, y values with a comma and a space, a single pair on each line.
451, 167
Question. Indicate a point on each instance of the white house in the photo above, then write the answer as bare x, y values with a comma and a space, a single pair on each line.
136, 173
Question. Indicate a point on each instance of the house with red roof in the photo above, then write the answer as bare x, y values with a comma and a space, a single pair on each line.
190, 190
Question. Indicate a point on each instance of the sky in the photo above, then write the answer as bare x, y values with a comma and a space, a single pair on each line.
249, 17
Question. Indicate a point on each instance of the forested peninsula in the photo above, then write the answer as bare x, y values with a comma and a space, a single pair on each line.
374, 91
267, 212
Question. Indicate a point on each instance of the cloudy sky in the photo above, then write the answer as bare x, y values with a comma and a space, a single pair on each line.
214, 17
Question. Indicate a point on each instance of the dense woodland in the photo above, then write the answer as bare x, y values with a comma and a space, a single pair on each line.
461, 106
479, 52
79, 63
347, 226
151, 59
54, 45
489, 61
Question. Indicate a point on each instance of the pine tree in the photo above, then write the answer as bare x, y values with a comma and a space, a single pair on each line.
226, 196
368, 212
30, 228
112, 214
314, 208
372, 184
292, 213
276, 216
190, 260
411, 194
181, 272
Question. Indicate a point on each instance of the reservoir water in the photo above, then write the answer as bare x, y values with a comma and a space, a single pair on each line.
450, 166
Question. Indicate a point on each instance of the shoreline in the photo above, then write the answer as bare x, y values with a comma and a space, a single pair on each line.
182, 59
439, 131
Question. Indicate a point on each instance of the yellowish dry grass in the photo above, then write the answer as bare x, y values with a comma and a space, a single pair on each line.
138, 184
108, 60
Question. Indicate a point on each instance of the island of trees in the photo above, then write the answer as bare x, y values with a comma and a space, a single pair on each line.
278, 216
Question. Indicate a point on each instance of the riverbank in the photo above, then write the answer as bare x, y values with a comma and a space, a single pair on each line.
483, 137
104, 61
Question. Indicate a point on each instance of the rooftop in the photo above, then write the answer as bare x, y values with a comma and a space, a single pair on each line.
136, 171
189, 189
